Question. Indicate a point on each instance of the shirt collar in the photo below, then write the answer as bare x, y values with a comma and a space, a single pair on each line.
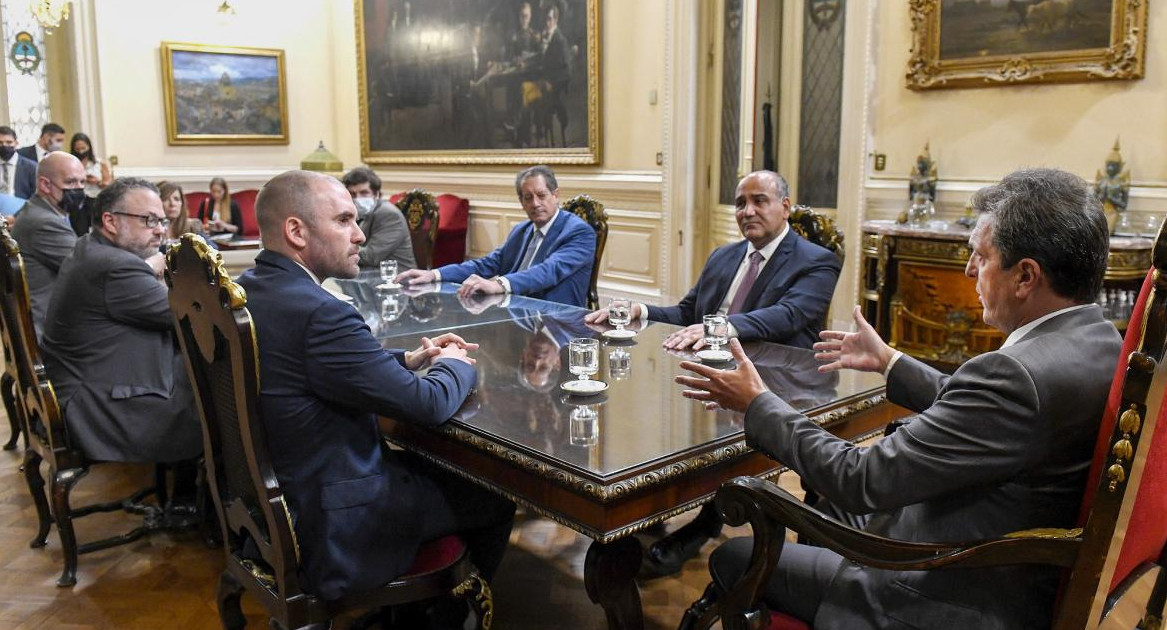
13, 160
547, 226
307, 271
770, 247
1021, 332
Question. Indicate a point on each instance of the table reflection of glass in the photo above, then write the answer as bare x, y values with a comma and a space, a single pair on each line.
633, 455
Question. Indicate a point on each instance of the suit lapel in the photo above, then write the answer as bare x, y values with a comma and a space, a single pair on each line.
724, 273
552, 236
781, 255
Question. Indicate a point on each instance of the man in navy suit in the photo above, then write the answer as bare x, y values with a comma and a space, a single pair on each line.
793, 279
52, 139
360, 510
774, 285
549, 257
19, 173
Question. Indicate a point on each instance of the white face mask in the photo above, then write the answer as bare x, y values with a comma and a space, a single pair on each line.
365, 205
56, 146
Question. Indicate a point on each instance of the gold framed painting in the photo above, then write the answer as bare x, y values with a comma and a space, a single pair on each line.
479, 81
224, 95
977, 43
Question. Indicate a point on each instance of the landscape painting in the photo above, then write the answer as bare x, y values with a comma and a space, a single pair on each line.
220, 95
977, 43
479, 81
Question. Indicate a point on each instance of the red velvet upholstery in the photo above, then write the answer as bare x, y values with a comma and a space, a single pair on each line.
437, 554
193, 201
779, 621
453, 220
1147, 531
245, 199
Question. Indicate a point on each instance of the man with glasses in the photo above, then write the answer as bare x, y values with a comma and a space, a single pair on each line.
549, 257
43, 230
109, 345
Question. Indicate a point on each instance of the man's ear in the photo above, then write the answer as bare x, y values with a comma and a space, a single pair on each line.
1029, 276
295, 232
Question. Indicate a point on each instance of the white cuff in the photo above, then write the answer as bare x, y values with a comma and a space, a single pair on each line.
890, 362
437, 275
643, 313
506, 284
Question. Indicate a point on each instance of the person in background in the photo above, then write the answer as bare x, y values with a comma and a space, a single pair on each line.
96, 178
174, 206
17, 173
218, 213
52, 139
386, 234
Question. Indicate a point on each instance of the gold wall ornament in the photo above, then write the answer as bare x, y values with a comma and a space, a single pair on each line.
950, 49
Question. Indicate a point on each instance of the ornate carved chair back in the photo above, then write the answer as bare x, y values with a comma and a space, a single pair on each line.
820, 230
594, 214
259, 540
218, 342
12, 336
421, 215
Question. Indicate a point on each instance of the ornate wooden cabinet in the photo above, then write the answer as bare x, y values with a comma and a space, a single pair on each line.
913, 289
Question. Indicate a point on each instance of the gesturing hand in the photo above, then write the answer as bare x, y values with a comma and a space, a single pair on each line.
861, 350
730, 389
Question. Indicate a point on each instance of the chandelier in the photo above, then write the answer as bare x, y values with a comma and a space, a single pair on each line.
49, 13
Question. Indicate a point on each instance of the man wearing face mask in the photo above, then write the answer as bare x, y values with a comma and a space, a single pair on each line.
386, 235
52, 139
17, 173
43, 230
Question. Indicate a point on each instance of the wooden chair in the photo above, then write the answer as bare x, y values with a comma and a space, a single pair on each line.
14, 347
262, 552
594, 214
421, 215
818, 229
46, 435
1121, 535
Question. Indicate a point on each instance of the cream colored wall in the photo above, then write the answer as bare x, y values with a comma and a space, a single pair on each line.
978, 135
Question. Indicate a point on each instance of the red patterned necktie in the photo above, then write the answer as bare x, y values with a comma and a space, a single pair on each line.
739, 299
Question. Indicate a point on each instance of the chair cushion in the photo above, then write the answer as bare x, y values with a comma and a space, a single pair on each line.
193, 201
246, 201
779, 621
436, 555
453, 218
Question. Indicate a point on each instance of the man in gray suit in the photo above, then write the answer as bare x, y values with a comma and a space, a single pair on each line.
43, 230
386, 234
109, 342
1003, 444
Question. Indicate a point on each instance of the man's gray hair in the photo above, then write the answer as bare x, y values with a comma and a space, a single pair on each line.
542, 170
1054, 218
112, 198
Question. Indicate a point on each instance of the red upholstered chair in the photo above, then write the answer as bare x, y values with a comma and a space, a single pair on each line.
193, 201
246, 201
1122, 526
453, 221
218, 341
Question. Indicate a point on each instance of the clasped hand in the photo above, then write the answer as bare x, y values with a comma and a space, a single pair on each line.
445, 346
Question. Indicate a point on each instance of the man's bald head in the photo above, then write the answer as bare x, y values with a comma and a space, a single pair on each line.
57, 172
57, 163
290, 194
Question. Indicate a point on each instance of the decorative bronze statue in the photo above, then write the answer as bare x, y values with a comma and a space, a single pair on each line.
1113, 187
921, 190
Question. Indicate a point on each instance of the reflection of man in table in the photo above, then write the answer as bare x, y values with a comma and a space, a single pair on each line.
549, 257
1002, 445
360, 510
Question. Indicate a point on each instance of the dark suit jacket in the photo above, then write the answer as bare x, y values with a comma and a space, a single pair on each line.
386, 236
1002, 445
560, 271
110, 352
24, 178
46, 238
323, 376
787, 303
28, 152
204, 214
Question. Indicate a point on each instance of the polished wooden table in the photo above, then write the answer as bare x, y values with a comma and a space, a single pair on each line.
608, 465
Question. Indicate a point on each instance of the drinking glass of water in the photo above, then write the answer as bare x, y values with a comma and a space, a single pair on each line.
584, 426
716, 331
620, 312
584, 357
388, 272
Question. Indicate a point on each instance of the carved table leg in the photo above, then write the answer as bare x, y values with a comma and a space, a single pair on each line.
608, 575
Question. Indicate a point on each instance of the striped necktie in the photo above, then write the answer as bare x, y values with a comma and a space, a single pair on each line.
532, 247
743, 290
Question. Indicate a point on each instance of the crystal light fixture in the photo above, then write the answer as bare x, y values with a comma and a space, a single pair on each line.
49, 13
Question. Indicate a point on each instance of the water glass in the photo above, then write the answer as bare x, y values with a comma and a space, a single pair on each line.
392, 306
716, 330
584, 357
619, 364
584, 425
388, 270
620, 312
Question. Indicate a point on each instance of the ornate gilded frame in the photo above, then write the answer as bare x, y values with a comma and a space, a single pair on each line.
1124, 58
585, 153
173, 98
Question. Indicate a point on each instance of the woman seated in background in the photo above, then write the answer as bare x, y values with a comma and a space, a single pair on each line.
174, 206
96, 177
218, 213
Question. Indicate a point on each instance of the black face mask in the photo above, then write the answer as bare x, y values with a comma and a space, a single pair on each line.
6, 153
72, 199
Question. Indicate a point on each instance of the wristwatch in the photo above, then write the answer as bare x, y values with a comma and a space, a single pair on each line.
498, 279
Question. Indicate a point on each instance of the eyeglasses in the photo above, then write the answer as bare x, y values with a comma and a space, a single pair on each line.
149, 220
